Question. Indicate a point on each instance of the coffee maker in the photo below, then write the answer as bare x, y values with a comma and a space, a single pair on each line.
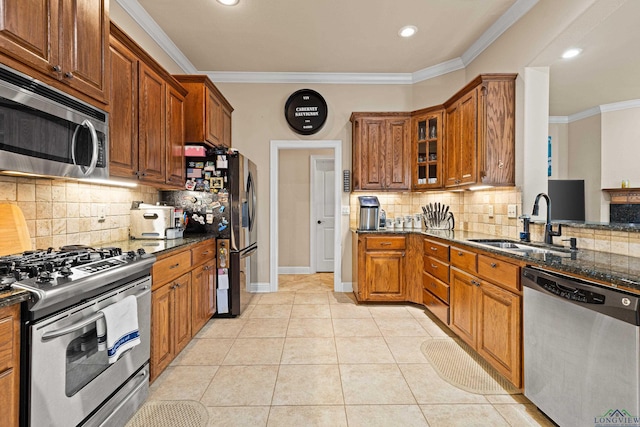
368, 214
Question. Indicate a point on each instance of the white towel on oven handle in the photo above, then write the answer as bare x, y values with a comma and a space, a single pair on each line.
121, 324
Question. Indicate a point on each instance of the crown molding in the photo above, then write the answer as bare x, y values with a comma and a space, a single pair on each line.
510, 17
594, 111
329, 78
151, 27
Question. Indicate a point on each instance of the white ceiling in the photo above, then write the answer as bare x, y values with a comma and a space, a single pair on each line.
360, 37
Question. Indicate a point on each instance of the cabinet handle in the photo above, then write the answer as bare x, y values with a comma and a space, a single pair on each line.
433, 285
56, 68
205, 253
494, 265
205, 268
433, 265
434, 249
68, 75
403, 254
385, 244
476, 283
177, 285
460, 254
174, 266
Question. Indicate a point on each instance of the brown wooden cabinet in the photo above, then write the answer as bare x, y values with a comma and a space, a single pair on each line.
381, 268
65, 42
427, 148
10, 364
486, 309
182, 300
203, 284
479, 143
170, 322
148, 142
207, 112
381, 151
435, 278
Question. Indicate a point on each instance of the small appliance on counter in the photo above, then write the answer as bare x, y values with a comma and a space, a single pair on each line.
368, 213
156, 221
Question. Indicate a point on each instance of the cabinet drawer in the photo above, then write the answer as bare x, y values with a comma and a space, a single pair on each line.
436, 250
464, 259
205, 251
386, 242
436, 268
171, 267
499, 272
437, 307
436, 287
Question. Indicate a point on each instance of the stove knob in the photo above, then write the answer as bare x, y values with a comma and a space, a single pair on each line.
141, 251
65, 272
131, 254
44, 277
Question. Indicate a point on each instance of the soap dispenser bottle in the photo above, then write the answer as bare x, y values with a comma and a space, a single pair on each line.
382, 219
525, 235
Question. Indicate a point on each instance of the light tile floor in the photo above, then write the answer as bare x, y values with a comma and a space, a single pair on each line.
306, 356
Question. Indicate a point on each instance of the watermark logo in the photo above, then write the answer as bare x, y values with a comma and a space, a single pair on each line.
616, 418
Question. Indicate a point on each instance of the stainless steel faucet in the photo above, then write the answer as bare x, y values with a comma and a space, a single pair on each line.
549, 234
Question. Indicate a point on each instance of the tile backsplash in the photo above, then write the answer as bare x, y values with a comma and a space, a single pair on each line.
60, 212
471, 210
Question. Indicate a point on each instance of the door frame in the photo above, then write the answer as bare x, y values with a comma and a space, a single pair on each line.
313, 235
276, 146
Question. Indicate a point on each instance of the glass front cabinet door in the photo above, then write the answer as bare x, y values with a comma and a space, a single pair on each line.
427, 149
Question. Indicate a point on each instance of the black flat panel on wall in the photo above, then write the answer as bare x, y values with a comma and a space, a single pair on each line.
567, 199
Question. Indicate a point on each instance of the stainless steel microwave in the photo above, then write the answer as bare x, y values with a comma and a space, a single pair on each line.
47, 132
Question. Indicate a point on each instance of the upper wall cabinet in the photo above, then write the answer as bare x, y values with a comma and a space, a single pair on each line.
207, 112
64, 42
426, 148
381, 151
146, 139
480, 133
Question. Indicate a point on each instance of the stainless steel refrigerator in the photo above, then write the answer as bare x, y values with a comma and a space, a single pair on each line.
243, 240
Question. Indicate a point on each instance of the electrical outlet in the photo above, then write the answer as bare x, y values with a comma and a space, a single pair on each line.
490, 211
512, 211
102, 212
345, 210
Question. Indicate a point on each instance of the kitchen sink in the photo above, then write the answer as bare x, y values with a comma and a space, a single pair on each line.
522, 248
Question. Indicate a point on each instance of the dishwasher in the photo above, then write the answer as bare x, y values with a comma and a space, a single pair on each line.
581, 350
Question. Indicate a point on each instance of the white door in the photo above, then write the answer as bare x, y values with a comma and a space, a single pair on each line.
322, 213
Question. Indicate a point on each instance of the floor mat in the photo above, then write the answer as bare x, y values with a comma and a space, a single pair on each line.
183, 413
460, 366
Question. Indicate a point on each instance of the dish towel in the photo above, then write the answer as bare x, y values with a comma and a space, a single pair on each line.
121, 321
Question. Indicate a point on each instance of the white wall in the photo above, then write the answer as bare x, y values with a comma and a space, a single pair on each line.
620, 141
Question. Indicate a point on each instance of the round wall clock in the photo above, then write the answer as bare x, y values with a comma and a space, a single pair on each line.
306, 111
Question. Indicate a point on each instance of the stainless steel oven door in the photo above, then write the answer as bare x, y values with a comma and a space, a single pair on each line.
69, 377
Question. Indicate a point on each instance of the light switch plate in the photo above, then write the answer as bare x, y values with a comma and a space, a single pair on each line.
512, 211
490, 211
345, 210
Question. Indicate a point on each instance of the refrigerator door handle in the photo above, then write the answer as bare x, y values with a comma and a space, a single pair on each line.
248, 251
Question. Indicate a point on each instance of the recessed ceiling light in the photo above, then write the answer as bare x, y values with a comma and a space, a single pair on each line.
229, 2
570, 53
407, 31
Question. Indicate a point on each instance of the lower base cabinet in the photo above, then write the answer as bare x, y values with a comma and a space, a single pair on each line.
381, 268
182, 301
171, 322
10, 365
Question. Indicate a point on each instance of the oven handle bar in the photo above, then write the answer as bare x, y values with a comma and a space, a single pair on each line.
85, 322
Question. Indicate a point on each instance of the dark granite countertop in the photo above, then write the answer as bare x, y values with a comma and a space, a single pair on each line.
14, 296
620, 271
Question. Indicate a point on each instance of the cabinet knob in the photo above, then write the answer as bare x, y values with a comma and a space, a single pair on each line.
68, 75
475, 282
494, 265
56, 68
460, 254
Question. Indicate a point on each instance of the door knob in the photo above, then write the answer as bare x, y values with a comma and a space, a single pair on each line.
319, 222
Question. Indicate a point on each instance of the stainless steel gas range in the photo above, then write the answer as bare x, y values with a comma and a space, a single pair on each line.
67, 379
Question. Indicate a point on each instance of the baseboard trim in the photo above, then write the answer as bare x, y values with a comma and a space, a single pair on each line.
260, 288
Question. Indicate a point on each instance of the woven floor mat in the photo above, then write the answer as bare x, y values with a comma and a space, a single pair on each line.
179, 413
460, 366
